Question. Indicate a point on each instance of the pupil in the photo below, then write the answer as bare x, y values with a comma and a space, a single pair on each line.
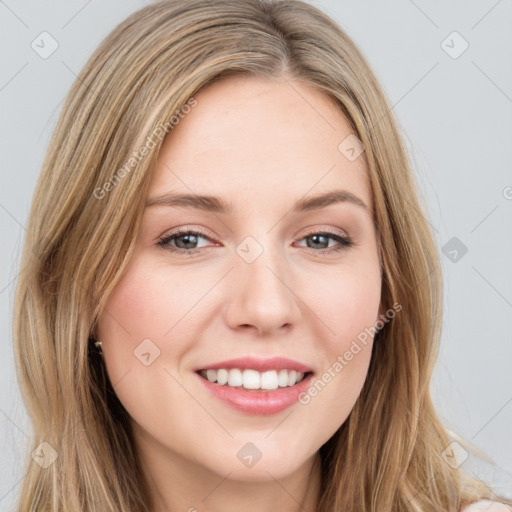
315, 239
187, 241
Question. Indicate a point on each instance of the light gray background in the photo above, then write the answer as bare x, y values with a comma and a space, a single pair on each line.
455, 115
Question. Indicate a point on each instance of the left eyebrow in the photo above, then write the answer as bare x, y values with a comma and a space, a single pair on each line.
323, 200
217, 205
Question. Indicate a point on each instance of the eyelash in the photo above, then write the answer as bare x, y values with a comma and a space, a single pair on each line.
344, 242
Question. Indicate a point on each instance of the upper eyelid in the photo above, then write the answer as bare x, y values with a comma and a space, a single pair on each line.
184, 231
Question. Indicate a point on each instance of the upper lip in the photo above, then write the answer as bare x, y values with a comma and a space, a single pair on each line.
259, 364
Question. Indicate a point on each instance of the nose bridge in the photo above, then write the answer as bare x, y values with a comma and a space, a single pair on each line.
261, 292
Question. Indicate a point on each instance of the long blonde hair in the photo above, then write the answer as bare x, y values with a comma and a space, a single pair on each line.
85, 215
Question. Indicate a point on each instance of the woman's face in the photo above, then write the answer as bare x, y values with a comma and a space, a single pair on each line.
264, 278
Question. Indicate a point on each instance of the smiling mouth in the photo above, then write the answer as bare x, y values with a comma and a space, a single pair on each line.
253, 380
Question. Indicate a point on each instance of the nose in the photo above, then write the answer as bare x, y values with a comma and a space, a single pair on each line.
262, 295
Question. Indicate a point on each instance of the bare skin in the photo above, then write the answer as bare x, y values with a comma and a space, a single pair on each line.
260, 145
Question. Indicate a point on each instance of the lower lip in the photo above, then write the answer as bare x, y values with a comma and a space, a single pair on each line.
257, 402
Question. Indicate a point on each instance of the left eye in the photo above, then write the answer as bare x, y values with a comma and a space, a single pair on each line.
324, 237
186, 241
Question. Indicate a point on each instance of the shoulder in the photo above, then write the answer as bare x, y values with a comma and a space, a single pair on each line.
487, 506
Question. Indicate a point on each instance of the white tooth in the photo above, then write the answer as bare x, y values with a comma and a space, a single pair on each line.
251, 379
222, 376
292, 377
283, 378
269, 380
235, 377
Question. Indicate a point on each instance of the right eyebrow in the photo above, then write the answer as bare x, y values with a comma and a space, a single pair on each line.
200, 202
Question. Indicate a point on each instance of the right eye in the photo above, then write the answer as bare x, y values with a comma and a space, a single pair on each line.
185, 241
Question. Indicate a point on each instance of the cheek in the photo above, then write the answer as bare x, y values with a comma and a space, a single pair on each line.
152, 310
131, 312
347, 305
149, 302
136, 318
138, 349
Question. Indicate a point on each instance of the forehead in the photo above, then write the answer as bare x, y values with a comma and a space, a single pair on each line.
270, 136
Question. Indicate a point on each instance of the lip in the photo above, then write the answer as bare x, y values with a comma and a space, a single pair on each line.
258, 364
258, 403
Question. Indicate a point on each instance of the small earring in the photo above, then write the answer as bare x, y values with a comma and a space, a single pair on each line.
98, 347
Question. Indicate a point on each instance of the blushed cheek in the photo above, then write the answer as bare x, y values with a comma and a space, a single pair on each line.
347, 306
351, 352
146, 304
127, 320
138, 307
351, 312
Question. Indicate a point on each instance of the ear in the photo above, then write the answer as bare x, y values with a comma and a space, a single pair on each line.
93, 330
381, 312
